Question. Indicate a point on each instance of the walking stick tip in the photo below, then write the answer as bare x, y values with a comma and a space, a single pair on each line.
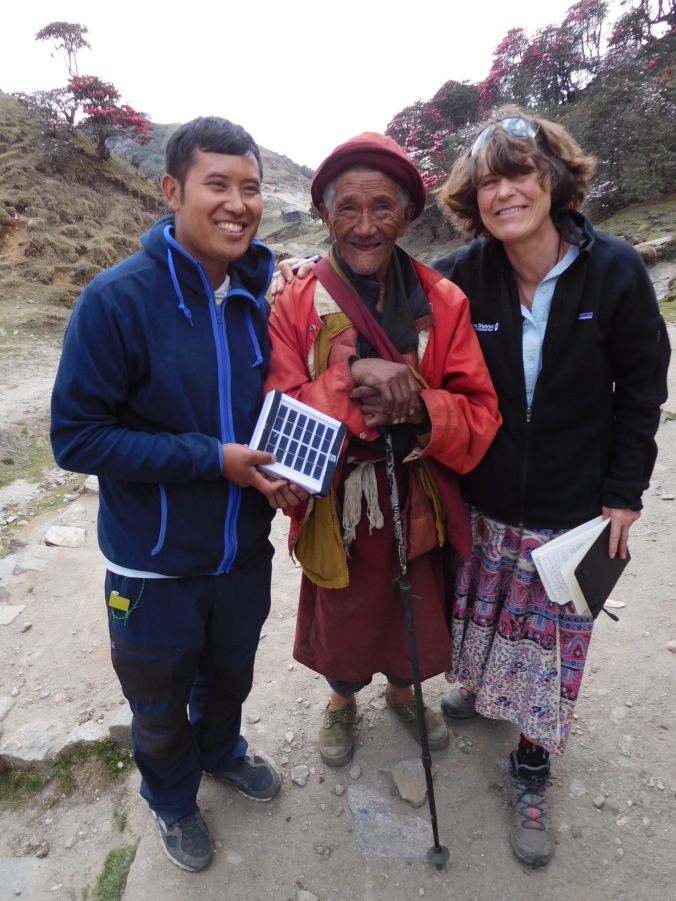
438, 855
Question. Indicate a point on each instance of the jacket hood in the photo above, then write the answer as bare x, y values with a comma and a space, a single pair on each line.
251, 274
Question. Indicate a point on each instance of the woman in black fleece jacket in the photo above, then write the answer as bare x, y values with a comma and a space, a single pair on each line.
570, 329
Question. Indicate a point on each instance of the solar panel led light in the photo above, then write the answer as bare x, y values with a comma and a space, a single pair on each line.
306, 442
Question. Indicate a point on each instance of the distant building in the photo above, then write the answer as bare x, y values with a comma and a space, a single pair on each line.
293, 214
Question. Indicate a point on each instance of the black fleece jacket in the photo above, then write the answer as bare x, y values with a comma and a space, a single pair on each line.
588, 438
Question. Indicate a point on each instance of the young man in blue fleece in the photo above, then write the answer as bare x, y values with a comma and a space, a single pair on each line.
158, 391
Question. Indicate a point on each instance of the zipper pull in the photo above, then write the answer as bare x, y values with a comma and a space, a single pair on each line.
528, 411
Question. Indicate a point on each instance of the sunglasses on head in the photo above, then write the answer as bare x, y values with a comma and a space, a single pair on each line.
513, 125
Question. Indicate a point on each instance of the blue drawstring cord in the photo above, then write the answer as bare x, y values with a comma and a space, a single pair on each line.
177, 288
254, 338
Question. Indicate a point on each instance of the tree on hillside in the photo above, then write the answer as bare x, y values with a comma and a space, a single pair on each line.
627, 119
642, 22
507, 81
104, 116
551, 61
458, 103
586, 19
68, 38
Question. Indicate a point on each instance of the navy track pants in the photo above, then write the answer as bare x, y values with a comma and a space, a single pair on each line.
184, 655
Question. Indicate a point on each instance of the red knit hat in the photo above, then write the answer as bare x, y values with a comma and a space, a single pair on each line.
377, 152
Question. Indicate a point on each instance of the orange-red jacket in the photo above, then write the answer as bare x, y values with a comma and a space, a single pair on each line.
461, 402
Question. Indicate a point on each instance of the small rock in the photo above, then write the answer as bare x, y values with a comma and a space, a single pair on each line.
647, 822
306, 896
355, 772
628, 704
289, 737
300, 775
91, 485
409, 779
576, 831
65, 536
26, 627
339, 790
253, 718
598, 802
672, 646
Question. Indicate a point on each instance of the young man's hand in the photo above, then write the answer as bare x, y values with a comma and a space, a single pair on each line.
240, 466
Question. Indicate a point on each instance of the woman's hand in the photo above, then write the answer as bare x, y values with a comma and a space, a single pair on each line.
621, 520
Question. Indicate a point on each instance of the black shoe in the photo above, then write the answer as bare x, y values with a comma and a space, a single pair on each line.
530, 835
459, 704
187, 842
253, 777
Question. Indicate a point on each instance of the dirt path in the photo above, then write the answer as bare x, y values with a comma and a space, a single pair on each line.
613, 797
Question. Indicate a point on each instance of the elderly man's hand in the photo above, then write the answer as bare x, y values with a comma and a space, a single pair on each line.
397, 399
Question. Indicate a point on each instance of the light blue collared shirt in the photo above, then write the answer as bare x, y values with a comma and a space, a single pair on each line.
535, 322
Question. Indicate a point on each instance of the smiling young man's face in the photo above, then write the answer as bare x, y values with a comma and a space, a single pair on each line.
218, 210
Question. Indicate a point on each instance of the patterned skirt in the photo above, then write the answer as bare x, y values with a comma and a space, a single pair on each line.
521, 653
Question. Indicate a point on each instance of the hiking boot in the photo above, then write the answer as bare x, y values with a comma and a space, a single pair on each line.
437, 733
336, 738
459, 704
530, 834
187, 842
253, 777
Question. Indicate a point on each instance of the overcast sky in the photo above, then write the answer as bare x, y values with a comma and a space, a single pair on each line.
301, 76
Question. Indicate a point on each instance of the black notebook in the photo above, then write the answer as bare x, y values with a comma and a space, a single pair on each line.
597, 574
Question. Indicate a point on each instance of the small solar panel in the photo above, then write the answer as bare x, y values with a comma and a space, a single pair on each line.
306, 442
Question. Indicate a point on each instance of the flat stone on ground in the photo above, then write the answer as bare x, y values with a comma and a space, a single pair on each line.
383, 831
9, 614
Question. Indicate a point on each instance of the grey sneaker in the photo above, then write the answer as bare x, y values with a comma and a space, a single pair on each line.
459, 704
187, 842
530, 834
253, 777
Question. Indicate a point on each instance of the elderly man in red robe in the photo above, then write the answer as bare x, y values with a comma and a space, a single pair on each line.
384, 344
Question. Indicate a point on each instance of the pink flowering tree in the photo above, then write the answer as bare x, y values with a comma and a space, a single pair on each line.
104, 116
424, 128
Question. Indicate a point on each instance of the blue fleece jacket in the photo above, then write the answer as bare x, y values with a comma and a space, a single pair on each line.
154, 377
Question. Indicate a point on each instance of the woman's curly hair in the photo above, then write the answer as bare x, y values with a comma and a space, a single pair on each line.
563, 166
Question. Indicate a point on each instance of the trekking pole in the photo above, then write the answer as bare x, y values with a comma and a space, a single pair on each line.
438, 854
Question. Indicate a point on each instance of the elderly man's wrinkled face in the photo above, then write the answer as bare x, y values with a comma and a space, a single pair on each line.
366, 219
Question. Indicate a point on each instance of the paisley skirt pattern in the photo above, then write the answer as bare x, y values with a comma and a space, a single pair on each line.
521, 653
